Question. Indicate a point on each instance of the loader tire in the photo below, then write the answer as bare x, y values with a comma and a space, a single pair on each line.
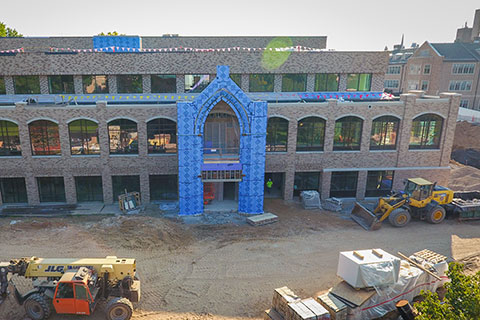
119, 309
38, 306
436, 215
399, 217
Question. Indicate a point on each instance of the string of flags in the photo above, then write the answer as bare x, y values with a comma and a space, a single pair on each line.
187, 49
12, 50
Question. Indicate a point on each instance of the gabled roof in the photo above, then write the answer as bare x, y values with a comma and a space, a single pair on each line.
458, 51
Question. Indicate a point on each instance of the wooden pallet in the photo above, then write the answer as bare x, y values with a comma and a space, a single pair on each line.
262, 219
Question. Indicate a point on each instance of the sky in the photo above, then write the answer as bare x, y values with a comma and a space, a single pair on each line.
367, 25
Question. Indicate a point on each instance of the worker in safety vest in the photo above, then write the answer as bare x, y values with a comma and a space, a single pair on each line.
269, 185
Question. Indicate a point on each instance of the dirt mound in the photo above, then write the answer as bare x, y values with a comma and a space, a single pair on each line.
466, 136
29, 224
464, 178
141, 232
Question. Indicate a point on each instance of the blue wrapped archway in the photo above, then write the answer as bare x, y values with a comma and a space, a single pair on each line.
252, 118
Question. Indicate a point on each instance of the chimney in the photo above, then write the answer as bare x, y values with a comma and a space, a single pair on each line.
476, 25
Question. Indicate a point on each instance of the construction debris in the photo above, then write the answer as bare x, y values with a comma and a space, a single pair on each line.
333, 204
262, 219
310, 199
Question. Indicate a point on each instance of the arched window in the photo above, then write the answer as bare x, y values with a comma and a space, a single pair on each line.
9, 139
310, 134
348, 133
277, 134
426, 132
384, 133
44, 138
162, 136
123, 136
83, 137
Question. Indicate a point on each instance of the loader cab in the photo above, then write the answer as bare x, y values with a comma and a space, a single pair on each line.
418, 189
75, 292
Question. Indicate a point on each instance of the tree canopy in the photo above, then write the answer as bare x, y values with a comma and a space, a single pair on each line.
462, 299
111, 33
8, 32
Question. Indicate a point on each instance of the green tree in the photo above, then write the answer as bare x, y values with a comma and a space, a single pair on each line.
462, 298
112, 33
8, 32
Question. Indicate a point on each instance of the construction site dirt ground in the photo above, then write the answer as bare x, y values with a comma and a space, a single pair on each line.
201, 271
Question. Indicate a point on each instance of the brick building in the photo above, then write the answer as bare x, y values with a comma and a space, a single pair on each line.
439, 67
174, 117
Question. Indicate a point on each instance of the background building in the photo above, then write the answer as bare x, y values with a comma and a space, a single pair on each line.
84, 123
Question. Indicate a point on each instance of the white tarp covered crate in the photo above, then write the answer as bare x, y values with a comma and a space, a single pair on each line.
368, 268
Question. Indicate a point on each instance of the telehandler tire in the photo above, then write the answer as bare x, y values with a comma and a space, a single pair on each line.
436, 215
119, 309
399, 217
37, 306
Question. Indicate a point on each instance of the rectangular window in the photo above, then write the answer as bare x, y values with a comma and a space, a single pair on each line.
196, 82
359, 81
120, 184
89, 189
326, 81
344, 184
464, 103
129, 83
412, 85
13, 190
60, 84
26, 84
95, 84
163, 187
237, 78
379, 183
460, 85
393, 70
424, 85
292, 82
164, 83
306, 181
415, 68
391, 84
463, 68
2, 86
426, 69
51, 189
261, 82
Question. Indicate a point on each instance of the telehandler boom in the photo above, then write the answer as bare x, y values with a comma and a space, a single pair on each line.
74, 286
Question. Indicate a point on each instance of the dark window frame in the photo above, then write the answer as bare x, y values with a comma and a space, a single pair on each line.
157, 195
385, 123
425, 131
322, 85
93, 80
66, 82
130, 83
302, 180
202, 85
126, 128
296, 86
31, 85
348, 124
236, 77
273, 124
57, 185
13, 190
90, 183
357, 86
47, 127
132, 181
3, 89
383, 185
342, 180
255, 78
10, 143
162, 126
309, 125
84, 136
162, 80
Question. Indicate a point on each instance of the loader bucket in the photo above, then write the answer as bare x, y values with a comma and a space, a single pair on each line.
364, 217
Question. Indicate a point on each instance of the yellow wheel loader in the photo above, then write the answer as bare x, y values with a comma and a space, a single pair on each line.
420, 199
74, 286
